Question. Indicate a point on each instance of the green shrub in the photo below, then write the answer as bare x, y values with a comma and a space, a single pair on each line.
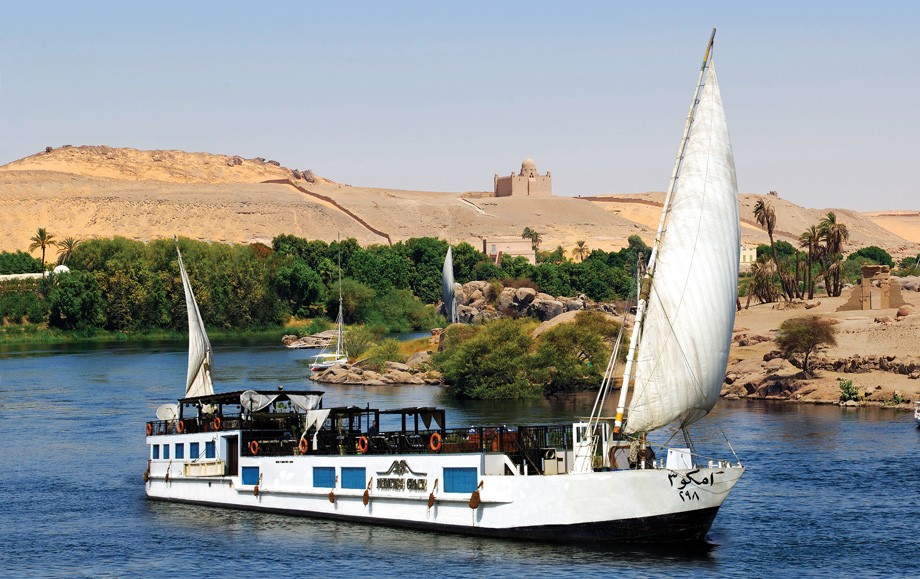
386, 351
358, 339
848, 391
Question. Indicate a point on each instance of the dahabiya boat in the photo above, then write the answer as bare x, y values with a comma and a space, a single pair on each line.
593, 480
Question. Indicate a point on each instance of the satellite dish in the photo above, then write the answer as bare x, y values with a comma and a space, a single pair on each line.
249, 399
168, 412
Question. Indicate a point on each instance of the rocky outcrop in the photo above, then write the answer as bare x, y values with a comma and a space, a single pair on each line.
393, 373
909, 283
319, 340
481, 301
857, 364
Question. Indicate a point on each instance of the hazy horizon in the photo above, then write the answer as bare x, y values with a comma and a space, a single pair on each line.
819, 98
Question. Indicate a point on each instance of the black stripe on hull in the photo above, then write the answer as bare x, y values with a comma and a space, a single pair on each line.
684, 527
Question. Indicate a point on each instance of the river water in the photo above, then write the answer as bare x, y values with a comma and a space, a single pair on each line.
828, 491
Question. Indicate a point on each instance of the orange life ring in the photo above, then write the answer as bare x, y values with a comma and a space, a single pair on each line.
254, 448
149, 429
304, 445
434, 443
180, 427
216, 423
362, 444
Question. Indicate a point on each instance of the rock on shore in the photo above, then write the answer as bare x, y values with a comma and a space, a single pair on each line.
414, 372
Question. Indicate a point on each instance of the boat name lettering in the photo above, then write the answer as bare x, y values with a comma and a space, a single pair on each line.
402, 484
688, 479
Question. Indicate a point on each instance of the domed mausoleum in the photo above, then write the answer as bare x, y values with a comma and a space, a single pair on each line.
527, 183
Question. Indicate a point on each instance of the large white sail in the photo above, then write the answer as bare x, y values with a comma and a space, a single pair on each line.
199, 347
447, 287
691, 309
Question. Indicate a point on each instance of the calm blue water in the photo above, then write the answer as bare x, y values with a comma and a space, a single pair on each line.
827, 492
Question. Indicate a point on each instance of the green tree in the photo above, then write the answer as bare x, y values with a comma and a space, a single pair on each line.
580, 251
299, 286
534, 237
811, 240
76, 302
572, 357
42, 239
766, 218
492, 363
874, 254
466, 259
65, 249
835, 235
805, 335
19, 262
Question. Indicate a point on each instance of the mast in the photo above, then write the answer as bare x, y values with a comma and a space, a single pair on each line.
645, 289
340, 321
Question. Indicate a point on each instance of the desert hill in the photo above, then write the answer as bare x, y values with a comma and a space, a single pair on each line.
93, 191
896, 232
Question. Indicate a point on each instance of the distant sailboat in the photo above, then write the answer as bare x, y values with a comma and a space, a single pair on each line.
448, 295
325, 360
198, 382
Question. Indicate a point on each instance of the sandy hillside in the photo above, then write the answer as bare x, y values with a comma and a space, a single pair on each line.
897, 233
99, 191
94, 191
903, 223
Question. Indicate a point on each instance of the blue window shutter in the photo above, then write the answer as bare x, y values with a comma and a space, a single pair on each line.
250, 475
193, 452
210, 450
460, 480
324, 477
354, 477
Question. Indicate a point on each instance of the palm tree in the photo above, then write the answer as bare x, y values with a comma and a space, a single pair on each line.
533, 236
810, 239
65, 249
766, 218
41, 239
580, 250
834, 235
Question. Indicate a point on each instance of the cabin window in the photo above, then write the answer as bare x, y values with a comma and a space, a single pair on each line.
193, 452
209, 450
250, 475
156, 451
460, 480
324, 477
354, 477
180, 450
165, 452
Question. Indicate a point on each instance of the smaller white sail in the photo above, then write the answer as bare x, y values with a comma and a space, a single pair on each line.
447, 287
198, 382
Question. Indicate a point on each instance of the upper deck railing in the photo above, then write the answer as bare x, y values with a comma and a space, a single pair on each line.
280, 434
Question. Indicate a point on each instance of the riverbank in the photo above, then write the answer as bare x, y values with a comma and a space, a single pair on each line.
875, 356
15, 335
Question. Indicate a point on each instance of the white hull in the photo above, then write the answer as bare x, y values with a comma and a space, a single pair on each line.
622, 505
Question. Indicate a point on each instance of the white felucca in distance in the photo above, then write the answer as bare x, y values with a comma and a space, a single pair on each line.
282, 452
448, 292
325, 360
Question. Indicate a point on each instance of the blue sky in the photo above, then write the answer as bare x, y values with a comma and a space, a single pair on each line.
821, 98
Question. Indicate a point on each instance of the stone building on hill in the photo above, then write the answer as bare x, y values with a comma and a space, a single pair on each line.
527, 183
